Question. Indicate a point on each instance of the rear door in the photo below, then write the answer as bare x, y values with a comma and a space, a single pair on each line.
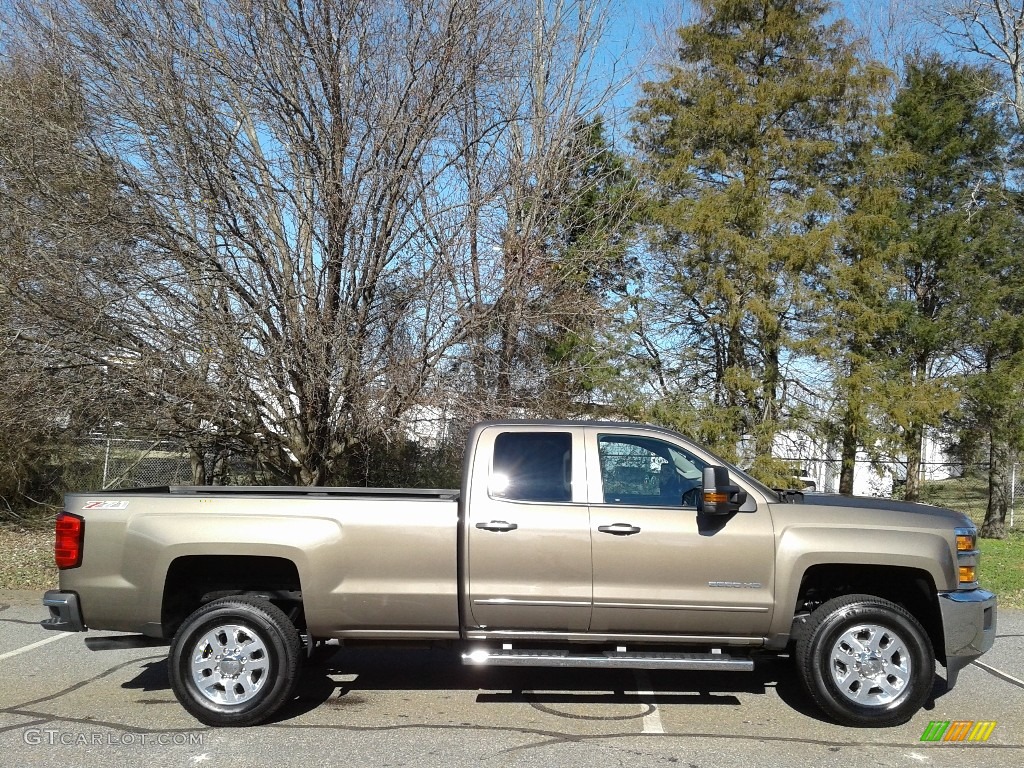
528, 531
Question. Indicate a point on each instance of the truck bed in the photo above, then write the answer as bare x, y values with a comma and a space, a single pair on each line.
371, 562
447, 494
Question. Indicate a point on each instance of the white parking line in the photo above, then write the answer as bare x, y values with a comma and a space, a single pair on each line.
27, 648
999, 673
652, 720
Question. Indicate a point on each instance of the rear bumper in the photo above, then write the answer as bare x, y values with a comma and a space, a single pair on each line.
969, 627
65, 613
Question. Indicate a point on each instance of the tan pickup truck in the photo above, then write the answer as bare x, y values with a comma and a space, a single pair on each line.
570, 544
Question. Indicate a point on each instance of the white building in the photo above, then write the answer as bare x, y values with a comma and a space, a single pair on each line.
817, 462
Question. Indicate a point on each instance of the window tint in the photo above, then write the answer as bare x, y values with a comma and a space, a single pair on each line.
648, 472
532, 466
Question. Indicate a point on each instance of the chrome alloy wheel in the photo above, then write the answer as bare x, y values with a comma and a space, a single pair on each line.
230, 664
871, 665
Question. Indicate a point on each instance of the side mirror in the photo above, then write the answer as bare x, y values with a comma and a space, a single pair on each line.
719, 495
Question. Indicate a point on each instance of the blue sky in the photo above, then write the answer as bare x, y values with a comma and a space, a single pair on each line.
634, 22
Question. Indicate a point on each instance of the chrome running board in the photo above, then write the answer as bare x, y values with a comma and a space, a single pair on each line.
508, 657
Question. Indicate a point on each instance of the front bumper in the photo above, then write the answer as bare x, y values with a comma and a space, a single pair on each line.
969, 627
65, 613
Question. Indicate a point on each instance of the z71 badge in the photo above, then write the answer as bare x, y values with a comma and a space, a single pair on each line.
105, 505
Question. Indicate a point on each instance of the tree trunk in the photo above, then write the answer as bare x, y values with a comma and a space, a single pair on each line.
848, 460
771, 377
197, 458
999, 466
220, 469
912, 445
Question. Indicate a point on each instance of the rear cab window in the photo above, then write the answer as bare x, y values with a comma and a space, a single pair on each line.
532, 466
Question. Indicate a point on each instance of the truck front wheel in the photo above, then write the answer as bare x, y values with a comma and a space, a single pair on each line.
234, 661
865, 661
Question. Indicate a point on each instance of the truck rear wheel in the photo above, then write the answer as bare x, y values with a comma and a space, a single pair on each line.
234, 661
866, 661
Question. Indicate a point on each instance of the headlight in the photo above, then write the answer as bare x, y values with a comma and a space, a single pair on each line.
967, 557
966, 539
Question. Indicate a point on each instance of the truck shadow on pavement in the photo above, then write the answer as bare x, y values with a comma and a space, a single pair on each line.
348, 676
367, 670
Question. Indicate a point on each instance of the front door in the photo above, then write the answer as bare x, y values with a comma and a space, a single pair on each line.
659, 567
528, 534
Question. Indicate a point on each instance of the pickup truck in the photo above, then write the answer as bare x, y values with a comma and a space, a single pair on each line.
570, 544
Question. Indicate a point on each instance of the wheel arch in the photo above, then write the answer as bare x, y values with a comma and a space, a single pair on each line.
911, 588
194, 580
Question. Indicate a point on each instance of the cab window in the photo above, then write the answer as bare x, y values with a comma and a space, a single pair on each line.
532, 466
644, 471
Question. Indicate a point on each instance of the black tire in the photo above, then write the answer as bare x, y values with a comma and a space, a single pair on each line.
865, 661
254, 674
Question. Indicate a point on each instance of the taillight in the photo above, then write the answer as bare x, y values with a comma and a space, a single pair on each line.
67, 548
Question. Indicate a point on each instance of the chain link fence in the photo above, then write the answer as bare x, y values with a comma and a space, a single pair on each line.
123, 463
968, 492
101, 463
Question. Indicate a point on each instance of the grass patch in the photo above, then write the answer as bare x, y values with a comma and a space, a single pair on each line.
1002, 568
964, 494
1002, 560
26, 558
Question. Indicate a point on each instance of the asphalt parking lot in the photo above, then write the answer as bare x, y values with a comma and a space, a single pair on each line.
62, 704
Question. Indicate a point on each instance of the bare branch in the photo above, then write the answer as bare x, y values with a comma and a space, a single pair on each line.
992, 30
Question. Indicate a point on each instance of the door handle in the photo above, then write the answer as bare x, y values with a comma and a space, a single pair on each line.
619, 529
500, 526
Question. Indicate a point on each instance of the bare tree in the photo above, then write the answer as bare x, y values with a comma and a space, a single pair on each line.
56, 198
892, 29
531, 262
993, 30
302, 223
